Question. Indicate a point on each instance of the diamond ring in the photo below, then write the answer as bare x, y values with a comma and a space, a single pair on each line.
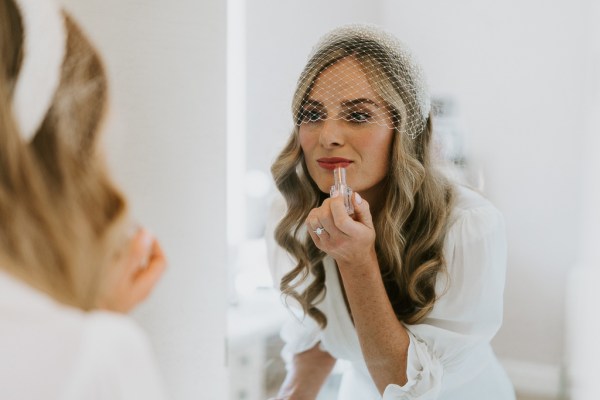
319, 230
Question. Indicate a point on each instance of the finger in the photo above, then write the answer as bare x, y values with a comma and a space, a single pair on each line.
140, 249
321, 218
146, 278
156, 256
362, 212
315, 227
319, 240
319, 232
315, 238
326, 217
340, 217
312, 222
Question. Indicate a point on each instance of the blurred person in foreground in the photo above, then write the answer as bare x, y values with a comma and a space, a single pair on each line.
72, 262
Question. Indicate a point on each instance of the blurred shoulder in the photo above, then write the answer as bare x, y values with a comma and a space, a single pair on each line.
116, 361
118, 331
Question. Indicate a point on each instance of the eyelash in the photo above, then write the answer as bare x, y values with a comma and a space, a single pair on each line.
357, 117
314, 116
311, 116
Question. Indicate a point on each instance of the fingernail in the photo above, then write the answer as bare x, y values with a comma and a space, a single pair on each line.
147, 239
358, 198
133, 229
335, 194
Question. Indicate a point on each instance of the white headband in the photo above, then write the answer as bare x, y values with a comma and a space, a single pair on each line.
44, 39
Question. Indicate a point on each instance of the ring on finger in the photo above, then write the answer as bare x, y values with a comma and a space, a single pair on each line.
319, 230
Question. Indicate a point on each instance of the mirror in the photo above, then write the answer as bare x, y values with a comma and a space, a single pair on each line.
518, 82
505, 81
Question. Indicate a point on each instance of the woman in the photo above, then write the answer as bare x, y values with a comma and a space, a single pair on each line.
408, 287
70, 257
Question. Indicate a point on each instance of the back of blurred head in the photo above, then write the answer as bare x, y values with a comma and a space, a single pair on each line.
62, 221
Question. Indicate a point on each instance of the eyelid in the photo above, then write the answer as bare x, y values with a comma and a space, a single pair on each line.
305, 113
367, 112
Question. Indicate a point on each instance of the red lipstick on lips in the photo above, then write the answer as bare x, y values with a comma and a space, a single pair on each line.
332, 162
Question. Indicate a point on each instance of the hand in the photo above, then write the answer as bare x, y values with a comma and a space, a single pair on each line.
350, 240
136, 271
307, 374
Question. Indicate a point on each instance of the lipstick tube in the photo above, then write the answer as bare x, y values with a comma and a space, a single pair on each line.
339, 185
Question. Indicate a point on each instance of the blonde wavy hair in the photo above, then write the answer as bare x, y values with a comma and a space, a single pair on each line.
62, 221
412, 224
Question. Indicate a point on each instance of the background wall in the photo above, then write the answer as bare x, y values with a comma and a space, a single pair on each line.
582, 328
520, 74
167, 148
518, 71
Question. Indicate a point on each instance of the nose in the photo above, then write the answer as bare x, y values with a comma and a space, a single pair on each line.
331, 135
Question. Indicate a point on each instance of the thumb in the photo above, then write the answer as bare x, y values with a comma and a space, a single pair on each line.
362, 212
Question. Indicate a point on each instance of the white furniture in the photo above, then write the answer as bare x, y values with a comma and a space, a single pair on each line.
255, 368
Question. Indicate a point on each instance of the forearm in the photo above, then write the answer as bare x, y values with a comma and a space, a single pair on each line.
307, 375
384, 340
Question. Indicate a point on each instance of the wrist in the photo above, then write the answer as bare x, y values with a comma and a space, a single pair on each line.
366, 268
365, 261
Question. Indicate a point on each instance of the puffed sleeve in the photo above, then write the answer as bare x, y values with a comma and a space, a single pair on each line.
299, 332
452, 343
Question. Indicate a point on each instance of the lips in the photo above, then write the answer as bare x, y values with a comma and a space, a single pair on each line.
333, 162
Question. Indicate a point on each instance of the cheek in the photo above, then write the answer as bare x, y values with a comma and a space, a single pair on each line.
379, 151
305, 141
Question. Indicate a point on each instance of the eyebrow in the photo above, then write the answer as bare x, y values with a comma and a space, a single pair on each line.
314, 103
350, 103
345, 103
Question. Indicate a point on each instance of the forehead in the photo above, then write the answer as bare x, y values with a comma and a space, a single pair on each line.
343, 80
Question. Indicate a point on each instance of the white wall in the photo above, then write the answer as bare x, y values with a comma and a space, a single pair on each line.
582, 328
517, 69
167, 64
591, 174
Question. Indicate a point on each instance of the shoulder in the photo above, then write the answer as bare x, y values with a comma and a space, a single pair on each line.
115, 333
109, 341
115, 360
473, 209
473, 216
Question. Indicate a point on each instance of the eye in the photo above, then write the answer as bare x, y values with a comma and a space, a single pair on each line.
358, 116
312, 115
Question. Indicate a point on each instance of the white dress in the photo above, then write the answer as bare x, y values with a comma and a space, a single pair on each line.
52, 351
450, 357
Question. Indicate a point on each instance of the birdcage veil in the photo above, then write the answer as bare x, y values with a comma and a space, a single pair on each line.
391, 72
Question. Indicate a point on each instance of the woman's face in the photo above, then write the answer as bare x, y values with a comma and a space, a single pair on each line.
345, 122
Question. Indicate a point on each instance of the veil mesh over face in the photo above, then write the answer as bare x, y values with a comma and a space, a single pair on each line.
401, 101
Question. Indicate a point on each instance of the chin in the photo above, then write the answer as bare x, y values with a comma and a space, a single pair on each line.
322, 185
324, 189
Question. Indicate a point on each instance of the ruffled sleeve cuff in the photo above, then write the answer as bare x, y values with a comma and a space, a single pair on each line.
299, 335
424, 373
